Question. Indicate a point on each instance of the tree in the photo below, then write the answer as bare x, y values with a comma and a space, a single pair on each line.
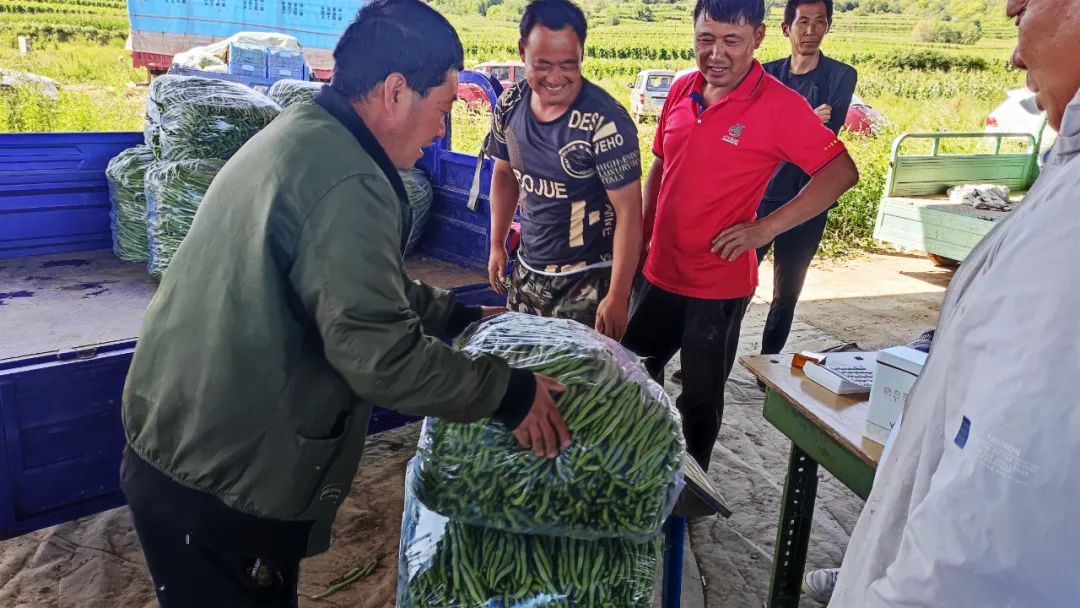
644, 13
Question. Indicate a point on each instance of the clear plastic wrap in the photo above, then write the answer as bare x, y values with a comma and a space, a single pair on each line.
418, 188
620, 478
447, 564
288, 92
127, 215
189, 117
174, 191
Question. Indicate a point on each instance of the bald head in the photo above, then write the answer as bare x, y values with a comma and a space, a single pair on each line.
1049, 43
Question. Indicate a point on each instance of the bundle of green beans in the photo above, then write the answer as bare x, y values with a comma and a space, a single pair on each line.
174, 191
287, 92
620, 477
127, 215
190, 117
448, 564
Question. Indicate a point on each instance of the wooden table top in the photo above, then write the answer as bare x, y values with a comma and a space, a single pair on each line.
842, 417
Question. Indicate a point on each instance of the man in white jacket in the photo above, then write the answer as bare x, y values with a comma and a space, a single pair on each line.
975, 506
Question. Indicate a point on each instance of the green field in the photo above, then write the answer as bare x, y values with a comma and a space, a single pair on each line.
917, 85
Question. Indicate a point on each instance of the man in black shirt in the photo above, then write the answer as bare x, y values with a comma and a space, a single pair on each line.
566, 154
827, 85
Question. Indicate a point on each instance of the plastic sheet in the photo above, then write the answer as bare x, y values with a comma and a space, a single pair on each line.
620, 478
290, 92
190, 117
420, 193
127, 216
448, 564
174, 191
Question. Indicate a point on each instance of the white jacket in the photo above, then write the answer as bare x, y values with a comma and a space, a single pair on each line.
976, 505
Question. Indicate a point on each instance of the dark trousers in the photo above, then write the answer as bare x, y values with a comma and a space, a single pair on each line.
201, 554
792, 253
707, 332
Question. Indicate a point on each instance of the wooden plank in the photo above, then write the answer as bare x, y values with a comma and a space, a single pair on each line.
841, 417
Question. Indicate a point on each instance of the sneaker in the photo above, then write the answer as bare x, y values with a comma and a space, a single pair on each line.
819, 584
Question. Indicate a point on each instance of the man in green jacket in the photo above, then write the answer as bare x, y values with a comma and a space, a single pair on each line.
286, 314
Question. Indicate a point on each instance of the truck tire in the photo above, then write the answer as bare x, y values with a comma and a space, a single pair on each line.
942, 261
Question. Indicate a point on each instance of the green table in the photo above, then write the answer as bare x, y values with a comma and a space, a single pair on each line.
825, 429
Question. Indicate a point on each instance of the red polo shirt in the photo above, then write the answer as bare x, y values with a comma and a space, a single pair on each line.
717, 164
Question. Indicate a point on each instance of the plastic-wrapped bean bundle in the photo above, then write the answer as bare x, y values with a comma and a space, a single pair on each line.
174, 191
620, 478
289, 92
190, 117
127, 215
418, 188
447, 564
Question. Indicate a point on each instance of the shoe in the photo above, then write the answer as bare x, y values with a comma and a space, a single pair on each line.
677, 376
819, 584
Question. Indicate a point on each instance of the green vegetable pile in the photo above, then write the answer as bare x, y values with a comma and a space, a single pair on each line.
128, 213
174, 191
619, 479
190, 117
418, 189
289, 92
448, 564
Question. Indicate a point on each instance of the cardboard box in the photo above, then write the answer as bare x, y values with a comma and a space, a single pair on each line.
896, 372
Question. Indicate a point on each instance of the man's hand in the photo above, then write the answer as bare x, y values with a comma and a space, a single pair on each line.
824, 112
497, 261
543, 429
611, 316
491, 311
740, 238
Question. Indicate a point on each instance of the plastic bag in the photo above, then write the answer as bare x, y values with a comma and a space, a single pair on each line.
127, 215
290, 92
174, 191
418, 188
190, 117
620, 478
447, 564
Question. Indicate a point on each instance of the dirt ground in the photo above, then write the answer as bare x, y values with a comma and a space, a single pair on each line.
877, 301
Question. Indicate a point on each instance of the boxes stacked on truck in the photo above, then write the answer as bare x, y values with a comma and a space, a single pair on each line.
247, 60
286, 63
490, 524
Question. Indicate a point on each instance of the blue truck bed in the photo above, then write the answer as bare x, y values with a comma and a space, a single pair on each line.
70, 313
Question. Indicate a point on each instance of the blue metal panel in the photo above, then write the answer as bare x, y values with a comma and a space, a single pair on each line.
53, 194
674, 547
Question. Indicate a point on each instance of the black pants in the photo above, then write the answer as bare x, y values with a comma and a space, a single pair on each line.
202, 554
707, 332
792, 253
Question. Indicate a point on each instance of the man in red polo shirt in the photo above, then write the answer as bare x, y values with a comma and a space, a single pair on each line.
723, 132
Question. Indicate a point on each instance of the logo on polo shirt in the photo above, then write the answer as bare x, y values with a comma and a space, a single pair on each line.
734, 133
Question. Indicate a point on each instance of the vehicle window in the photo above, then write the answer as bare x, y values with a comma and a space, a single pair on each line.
519, 73
660, 82
501, 72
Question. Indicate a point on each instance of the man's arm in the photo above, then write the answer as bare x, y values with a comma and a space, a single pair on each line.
348, 275
652, 195
840, 100
504, 199
612, 313
824, 189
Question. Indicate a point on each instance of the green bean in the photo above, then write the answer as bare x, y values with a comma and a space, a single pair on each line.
445, 564
624, 428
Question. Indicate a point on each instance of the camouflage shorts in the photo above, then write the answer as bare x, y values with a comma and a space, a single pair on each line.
570, 296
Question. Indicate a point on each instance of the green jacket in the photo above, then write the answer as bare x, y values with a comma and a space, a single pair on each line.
285, 315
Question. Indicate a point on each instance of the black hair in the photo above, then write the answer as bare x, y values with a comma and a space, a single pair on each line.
789, 10
732, 11
404, 36
554, 15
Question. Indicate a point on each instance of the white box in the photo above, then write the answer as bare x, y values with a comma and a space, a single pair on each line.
896, 372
